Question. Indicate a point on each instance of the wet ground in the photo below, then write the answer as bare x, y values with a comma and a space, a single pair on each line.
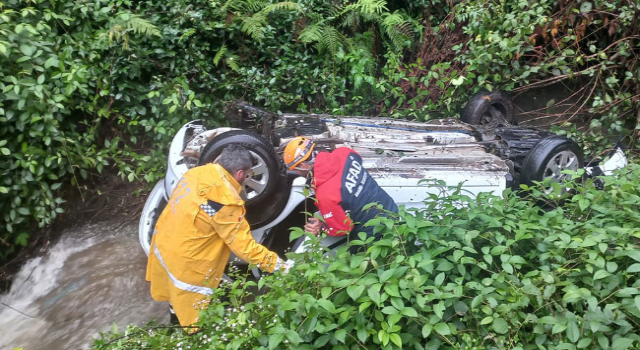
93, 277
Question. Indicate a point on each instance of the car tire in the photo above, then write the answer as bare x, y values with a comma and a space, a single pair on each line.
549, 158
490, 109
264, 191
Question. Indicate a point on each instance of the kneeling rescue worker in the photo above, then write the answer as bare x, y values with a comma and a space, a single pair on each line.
201, 225
342, 188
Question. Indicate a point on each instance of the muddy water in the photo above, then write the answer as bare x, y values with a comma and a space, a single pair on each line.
93, 277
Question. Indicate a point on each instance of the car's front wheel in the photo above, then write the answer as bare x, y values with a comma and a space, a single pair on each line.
549, 158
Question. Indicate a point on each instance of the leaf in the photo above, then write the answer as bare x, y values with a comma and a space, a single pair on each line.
573, 332
392, 290
500, 325
439, 279
23, 211
458, 254
601, 274
426, 330
557, 328
389, 310
374, 294
293, 337
409, 312
340, 335
584, 342
327, 305
362, 335
438, 309
583, 203
395, 338
507, 267
321, 341
621, 344
634, 268
385, 275
364, 306
487, 320
275, 340
636, 301
326, 292
383, 337
586, 7
458, 81
442, 329
633, 254
27, 50
51, 62
22, 239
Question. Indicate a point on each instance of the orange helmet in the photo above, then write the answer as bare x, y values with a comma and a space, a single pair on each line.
297, 151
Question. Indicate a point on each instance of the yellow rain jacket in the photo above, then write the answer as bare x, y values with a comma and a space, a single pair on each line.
201, 225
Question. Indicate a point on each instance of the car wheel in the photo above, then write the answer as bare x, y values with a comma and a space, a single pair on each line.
263, 189
489, 108
549, 158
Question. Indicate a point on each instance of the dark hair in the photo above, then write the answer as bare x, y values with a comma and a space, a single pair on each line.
234, 158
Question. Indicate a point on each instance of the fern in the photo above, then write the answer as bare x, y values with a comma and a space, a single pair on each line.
254, 26
126, 22
142, 26
280, 6
232, 61
371, 7
187, 34
332, 10
351, 20
331, 40
244, 6
398, 29
311, 33
219, 54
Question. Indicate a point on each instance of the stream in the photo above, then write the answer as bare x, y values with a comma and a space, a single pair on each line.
93, 277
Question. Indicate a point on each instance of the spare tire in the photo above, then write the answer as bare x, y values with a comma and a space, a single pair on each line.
549, 158
263, 189
490, 109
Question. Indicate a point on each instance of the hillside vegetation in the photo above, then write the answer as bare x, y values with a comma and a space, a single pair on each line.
88, 86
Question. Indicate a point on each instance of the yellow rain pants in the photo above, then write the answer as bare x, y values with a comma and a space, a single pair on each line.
201, 225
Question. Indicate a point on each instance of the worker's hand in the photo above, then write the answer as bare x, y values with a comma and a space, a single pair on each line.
287, 266
313, 226
284, 266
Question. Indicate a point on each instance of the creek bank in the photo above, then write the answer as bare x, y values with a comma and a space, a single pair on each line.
99, 199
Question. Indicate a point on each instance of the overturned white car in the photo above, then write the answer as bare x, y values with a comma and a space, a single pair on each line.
484, 151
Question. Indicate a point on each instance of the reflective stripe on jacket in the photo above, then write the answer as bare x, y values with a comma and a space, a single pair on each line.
201, 225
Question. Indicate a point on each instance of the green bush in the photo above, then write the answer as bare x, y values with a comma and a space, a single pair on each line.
462, 273
106, 84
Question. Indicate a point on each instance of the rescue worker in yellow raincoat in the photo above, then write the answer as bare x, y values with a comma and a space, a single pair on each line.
201, 225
